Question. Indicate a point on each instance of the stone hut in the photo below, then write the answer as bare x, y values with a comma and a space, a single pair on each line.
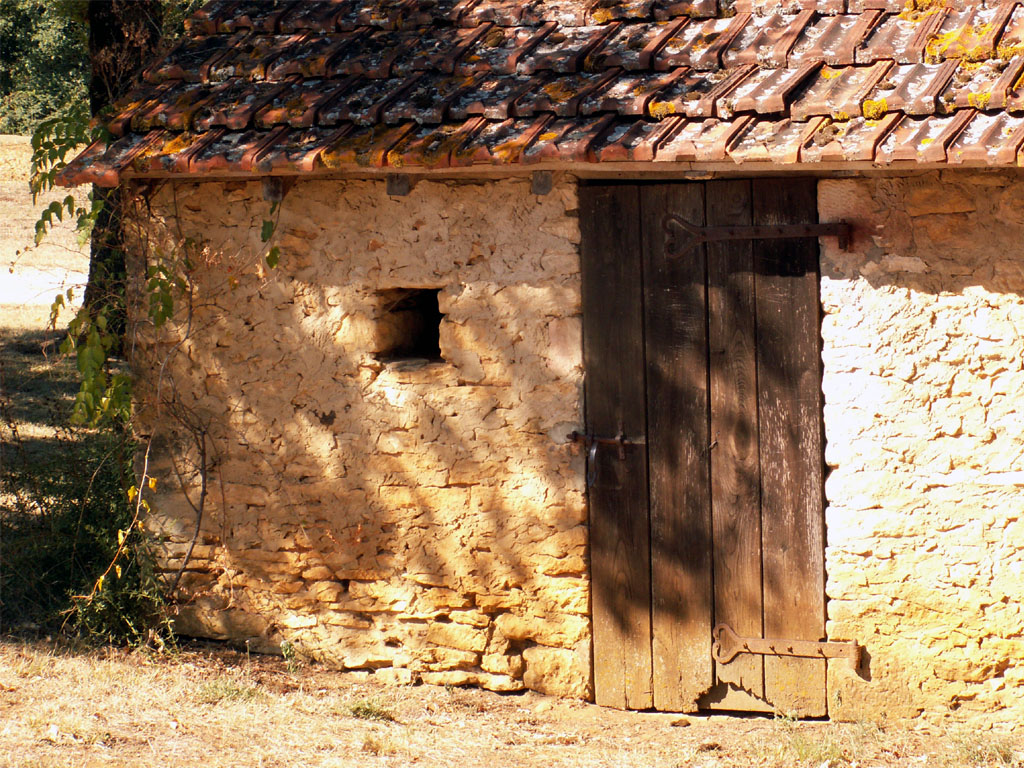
668, 354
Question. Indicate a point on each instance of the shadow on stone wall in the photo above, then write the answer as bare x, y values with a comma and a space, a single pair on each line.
428, 517
432, 518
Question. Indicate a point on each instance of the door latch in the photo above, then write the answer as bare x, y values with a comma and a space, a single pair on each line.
592, 442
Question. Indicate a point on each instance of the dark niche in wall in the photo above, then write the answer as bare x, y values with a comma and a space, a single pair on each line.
410, 326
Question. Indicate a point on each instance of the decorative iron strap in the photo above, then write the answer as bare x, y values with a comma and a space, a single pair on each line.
697, 235
727, 645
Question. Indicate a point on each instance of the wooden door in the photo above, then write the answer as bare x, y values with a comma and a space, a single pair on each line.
707, 365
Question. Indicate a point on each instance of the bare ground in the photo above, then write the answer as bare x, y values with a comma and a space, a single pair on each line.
209, 705
216, 707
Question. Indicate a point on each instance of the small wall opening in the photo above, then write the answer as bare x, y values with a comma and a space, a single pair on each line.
411, 323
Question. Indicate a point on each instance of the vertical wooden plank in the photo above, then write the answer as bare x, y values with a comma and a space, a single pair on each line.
619, 529
789, 404
677, 432
735, 464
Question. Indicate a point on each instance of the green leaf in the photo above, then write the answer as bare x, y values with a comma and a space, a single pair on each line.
267, 231
273, 257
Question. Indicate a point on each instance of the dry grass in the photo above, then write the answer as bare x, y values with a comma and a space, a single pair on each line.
217, 707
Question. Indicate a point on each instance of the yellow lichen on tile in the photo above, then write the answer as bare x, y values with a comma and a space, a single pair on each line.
659, 110
874, 109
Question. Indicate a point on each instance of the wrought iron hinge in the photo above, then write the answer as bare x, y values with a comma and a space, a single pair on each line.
697, 235
727, 645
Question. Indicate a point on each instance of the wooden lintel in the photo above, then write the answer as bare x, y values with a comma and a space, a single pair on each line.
605, 171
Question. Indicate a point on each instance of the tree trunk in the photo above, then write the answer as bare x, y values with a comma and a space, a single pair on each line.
123, 37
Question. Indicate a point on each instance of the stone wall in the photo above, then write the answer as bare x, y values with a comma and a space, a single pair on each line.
428, 520
924, 416
424, 519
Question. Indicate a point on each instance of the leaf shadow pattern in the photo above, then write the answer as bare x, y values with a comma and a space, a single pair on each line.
427, 516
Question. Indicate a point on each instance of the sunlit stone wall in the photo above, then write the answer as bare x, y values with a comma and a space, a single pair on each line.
425, 520
924, 417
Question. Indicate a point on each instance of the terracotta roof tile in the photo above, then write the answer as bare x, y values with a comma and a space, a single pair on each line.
317, 17
696, 94
565, 49
771, 141
305, 86
568, 138
500, 142
171, 105
693, 9
170, 152
426, 100
767, 91
232, 104
561, 95
767, 40
632, 140
492, 97
380, 14
432, 146
436, 49
500, 49
297, 103
701, 140
902, 37
504, 13
633, 46
626, 94
854, 140
700, 44
192, 59
838, 93
992, 138
601, 11
1011, 40
255, 15
364, 101
836, 40
364, 146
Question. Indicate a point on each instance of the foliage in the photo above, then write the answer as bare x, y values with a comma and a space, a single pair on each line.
73, 545
72, 554
43, 61
53, 140
44, 57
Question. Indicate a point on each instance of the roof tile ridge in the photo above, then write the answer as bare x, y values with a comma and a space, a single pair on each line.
780, 51
467, 154
929, 27
1005, 155
854, 106
672, 28
718, 47
1004, 85
864, 26
807, 136
721, 148
708, 103
936, 151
